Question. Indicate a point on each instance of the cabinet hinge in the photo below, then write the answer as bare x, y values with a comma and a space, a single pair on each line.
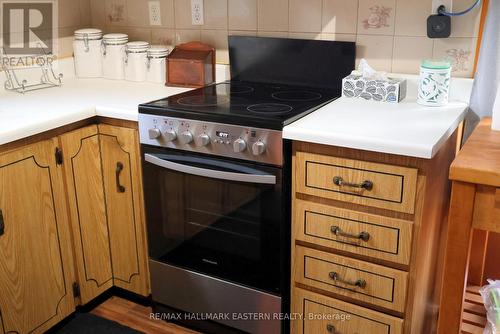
59, 156
76, 290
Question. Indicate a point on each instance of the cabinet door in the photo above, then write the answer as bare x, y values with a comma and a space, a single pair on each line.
82, 166
36, 268
123, 192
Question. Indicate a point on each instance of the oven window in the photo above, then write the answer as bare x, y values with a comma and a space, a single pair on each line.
211, 224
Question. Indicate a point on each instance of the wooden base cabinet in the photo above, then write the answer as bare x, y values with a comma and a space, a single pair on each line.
366, 239
102, 168
36, 266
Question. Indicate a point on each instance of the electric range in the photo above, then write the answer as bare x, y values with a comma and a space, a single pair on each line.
217, 174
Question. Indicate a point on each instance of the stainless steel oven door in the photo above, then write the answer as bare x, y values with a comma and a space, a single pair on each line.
217, 217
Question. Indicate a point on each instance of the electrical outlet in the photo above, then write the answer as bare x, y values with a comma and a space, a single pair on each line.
154, 13
197, 12
448, 4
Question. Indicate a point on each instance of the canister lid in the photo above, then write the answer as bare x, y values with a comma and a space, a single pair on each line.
137, 46
90, 33
433, 64
158, 51
115, 38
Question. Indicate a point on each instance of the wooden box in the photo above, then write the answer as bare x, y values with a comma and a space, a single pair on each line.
191, 65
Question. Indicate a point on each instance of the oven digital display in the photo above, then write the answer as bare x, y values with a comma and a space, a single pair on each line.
222, 134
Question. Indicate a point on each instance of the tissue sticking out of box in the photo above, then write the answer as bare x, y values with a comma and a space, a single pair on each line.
369, 84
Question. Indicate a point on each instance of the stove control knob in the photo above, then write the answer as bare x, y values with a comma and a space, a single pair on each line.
258, 148
170, 135
239, 145
203, 140
186, 137
154, 133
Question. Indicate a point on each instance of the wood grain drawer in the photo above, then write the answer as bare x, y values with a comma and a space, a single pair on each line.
363, 281
321, 314
378, 185
388, 239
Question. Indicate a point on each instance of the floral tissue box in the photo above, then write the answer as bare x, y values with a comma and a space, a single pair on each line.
391, 90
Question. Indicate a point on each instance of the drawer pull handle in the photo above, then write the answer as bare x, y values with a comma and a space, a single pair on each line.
364, 236
360, 283
331, 329
119, 168
339, 181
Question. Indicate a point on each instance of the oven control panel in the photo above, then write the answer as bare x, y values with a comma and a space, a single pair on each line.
235, 141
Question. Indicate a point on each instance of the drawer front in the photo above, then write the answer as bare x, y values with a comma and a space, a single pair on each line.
378, 185
321, 314
363, 281
359, 233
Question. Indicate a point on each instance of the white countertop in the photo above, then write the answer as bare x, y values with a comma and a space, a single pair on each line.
404, 128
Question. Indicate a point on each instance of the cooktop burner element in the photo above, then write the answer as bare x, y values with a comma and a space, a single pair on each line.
237, 89
203, 100
270, 108
292, 95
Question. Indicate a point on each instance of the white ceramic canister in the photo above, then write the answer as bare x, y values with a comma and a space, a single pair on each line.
87, 53
136, 61
434, 86
157, 64
113, 56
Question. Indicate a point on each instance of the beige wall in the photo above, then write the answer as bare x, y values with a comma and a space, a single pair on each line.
391, 34
73, 14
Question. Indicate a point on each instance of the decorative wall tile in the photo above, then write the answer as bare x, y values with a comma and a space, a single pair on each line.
305, 15
272, 15
409, 53
339, 16
242, 14
377, 50
390, 33
460, 52
215, 15
116, 12
411, 17
376, 17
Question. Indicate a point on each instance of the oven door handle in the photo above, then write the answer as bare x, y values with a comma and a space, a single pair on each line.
211, 173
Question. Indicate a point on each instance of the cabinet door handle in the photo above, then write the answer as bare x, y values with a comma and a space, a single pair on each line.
331, 329
364, 236
339, 181
2, 224
119, 168
360, 283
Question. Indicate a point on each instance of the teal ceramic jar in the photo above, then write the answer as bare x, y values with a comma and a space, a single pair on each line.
434, 86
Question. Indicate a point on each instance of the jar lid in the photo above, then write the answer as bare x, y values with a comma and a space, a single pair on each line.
89, 33
115, 38
436, 64
158, 51
137, 46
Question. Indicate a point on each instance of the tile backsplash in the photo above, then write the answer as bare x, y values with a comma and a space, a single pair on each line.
390, 34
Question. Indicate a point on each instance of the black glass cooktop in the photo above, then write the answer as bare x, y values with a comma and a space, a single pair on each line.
263, 105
